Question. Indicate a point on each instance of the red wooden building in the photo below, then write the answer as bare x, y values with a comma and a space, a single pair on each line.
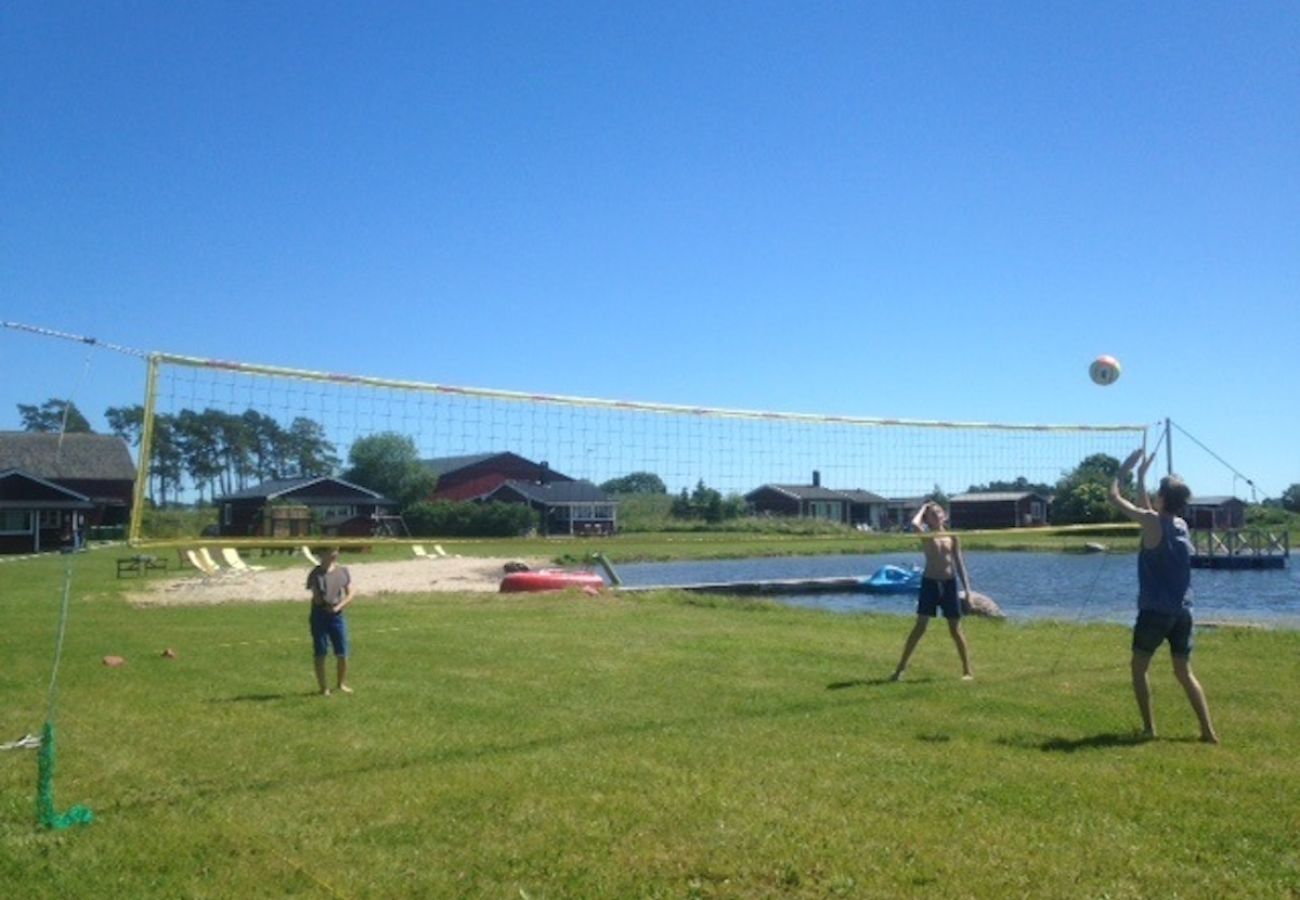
474, 477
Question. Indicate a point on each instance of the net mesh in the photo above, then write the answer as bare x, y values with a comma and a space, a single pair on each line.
217, 428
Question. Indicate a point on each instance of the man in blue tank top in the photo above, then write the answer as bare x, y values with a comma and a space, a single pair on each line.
1164, 575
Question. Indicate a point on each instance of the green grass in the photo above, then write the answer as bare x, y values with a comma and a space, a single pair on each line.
563, 746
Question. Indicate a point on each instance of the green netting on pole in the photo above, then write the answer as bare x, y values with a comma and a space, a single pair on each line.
45, 812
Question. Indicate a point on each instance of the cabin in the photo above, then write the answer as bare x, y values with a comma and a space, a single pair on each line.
563, 507
856, 508
866, 510
1003, 509
297, 507
1215, 513
38, 515
473, 477
898, 512
50, 479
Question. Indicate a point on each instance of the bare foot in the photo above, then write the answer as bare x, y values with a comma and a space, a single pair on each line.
897, 676
324, 692
969, 676
343, 688
1209, 738
1148, 734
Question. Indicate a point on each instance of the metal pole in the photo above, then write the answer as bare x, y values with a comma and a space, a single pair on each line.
1169, 449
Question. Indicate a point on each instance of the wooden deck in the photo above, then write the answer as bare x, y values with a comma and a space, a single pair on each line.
1240, 548
771, 586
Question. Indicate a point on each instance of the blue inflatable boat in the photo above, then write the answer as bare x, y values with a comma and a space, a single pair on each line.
891, 579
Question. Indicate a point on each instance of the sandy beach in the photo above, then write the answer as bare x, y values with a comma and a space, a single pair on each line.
477, 574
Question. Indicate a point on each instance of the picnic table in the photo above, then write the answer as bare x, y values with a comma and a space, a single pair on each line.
140, 564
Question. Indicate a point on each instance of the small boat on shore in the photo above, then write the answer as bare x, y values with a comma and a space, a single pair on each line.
891, 579
550, 580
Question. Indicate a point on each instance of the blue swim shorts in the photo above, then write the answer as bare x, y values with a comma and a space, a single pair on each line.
1154, 628
328, 629
935, 595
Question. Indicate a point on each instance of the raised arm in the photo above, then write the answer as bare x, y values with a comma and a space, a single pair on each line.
918, 520
1148, 518
1143, 500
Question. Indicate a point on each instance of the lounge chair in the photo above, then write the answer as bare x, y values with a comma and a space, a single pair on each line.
207, 567
420, 552
206, 556
311, 557
437, 548
236, 562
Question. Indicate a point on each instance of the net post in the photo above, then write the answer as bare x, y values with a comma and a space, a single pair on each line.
145, 451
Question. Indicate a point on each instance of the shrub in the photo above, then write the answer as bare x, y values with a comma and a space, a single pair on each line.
442, 518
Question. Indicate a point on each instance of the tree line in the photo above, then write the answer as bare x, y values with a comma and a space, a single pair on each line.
213, 451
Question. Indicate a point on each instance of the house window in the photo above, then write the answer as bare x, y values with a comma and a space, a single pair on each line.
825, 510
51, 518
227, 514
583, 512
1036, 510
336, 512
15, 521
604, 512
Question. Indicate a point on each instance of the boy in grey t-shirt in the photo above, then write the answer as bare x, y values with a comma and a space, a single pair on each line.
331, 591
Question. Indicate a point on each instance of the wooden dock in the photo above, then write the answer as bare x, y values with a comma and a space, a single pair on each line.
1240, 548
846, 585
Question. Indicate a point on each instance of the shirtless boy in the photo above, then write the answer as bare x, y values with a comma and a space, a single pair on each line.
943, 566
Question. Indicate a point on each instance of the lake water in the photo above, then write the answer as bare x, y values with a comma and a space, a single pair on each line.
1074, 587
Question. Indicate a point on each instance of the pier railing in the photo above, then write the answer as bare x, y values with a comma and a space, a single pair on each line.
1244, 548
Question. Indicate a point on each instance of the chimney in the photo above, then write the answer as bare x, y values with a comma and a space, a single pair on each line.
817, 478
544, 475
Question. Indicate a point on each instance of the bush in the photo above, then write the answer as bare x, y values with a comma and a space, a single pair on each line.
442, 518
177, 522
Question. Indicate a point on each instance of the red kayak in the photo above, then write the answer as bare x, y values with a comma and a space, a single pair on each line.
550, 580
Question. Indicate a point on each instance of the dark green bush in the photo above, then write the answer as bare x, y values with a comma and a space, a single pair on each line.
442, 518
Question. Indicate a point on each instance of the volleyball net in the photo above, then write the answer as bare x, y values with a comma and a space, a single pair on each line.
215, 433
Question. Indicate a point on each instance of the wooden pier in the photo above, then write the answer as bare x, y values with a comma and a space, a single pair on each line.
848, 585
1240, 548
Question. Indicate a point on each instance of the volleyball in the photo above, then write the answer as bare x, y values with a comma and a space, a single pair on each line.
1104, 370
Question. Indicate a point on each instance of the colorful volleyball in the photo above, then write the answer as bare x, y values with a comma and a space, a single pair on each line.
1104, 370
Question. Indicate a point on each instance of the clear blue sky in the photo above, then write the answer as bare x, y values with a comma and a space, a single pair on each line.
924, 210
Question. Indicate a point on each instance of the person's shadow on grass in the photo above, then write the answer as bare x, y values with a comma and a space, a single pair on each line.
872, 682
262, 698
1104, 741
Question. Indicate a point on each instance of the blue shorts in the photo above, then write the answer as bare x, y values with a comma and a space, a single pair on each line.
1154, 628
328, 628
935, 595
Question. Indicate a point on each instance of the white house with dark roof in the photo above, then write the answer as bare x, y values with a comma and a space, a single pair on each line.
564, 507
812, 501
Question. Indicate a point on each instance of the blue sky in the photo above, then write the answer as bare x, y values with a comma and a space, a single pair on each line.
923, 210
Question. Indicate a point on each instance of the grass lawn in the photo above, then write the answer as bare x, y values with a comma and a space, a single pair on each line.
564, 746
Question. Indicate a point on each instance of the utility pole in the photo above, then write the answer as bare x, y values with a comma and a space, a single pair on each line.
1169, 449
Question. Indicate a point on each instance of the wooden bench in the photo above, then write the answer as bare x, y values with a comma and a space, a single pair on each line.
139, 565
